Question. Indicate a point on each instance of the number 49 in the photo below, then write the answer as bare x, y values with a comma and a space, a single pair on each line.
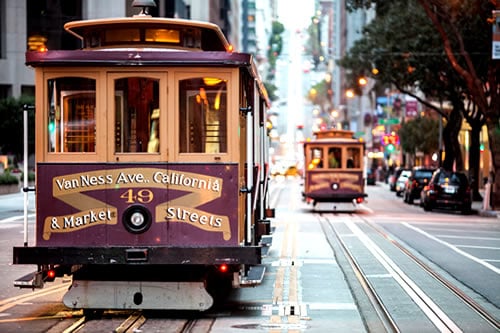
142, 196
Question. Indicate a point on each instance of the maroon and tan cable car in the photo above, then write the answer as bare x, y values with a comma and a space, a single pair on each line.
334, 168
151, 166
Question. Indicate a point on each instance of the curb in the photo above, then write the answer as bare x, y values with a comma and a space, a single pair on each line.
488, 213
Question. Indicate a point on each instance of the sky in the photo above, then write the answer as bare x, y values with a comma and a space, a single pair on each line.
295, 14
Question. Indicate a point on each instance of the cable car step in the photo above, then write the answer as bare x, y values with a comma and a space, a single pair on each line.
266, 240
254, 277
31, 280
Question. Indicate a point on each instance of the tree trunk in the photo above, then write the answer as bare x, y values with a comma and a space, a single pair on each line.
453, 154
494, 142
474, 153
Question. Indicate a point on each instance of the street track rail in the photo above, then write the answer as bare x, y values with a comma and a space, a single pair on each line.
383, 314
459, 293
131, 324
435, 314
137, 321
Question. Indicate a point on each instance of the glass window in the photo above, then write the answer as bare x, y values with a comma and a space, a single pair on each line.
315, 158
203, 115
137, 115
353, 158
71, 123
334, 157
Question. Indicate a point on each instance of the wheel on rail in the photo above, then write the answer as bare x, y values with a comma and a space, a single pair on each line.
93, 313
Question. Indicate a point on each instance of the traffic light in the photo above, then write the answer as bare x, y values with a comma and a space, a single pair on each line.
390, 148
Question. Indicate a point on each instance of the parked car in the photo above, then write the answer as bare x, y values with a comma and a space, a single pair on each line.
370, 177
401, 181
447, 189
419, 177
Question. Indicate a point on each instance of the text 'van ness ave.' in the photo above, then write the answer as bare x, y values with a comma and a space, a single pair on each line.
89, 181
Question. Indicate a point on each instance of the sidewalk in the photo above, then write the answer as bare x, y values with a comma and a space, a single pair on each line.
479, 207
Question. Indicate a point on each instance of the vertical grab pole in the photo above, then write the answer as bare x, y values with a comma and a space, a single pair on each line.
262, 172
25, 167
250, 139
249, 175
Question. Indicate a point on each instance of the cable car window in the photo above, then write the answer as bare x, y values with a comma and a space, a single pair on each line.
137, 115
162, 36
334, 158
120, 35
71, 116
353, 157
315, 158
203, 115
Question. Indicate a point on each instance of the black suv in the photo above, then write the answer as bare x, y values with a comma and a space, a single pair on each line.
420, 177
447, 189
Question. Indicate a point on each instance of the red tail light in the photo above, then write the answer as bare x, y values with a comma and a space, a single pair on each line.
223, 268
50, 275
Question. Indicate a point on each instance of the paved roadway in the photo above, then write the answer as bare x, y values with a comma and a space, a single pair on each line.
295, 295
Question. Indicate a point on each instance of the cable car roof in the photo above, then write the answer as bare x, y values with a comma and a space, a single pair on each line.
147, 31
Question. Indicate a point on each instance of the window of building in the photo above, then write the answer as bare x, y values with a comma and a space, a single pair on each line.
5, 91
45, 18
28, 90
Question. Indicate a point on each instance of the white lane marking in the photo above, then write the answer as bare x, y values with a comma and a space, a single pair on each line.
469, 237
431, 309
478, 247
454, 248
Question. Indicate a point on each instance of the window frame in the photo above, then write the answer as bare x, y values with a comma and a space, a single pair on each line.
231, 78
164, 119
43, 117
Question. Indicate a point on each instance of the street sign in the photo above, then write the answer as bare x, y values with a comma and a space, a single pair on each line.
495, 49
389, 121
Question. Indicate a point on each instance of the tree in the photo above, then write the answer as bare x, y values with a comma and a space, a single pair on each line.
408, 57
271, 90
419, 135
432, 64
319, 95
274, 48
456, 23
313, 46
